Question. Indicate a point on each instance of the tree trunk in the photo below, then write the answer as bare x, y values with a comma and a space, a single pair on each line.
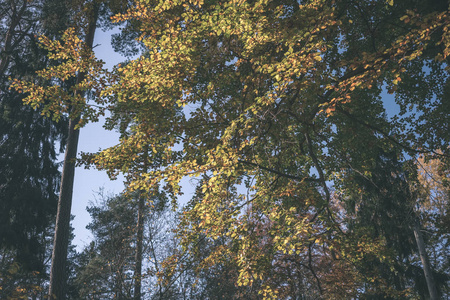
140, 235
62, 228
425, 261
138, 256
58, 280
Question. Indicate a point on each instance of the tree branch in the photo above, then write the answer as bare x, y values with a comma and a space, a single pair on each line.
301, 179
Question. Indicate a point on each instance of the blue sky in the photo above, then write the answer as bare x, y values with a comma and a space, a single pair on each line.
92, 138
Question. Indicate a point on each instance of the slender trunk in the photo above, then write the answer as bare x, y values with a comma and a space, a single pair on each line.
62, 228
138, 256
425, 262
140, 237
58, 280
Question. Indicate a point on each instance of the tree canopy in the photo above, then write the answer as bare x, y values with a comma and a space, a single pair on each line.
282, 113
278, 109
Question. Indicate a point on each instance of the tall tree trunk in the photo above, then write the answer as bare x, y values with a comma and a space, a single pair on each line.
140, 236
58, 280
62, 229
138, 256
425, 261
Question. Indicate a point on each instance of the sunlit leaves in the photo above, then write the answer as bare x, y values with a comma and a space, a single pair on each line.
56, 91
267, 105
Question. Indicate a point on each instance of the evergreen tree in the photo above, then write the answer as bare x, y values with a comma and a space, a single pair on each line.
107, 263
382, 204
106, 268
29, 178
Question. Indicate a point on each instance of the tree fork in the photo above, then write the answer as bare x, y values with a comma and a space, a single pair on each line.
57, 288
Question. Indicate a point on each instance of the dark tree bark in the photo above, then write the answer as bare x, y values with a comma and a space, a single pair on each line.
62, 229
138, 256
140, 236
58, 280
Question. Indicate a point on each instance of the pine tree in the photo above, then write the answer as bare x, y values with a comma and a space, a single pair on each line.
29, 178
107, 266
109, 260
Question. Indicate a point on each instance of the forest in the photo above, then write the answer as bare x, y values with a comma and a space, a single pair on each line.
316, 134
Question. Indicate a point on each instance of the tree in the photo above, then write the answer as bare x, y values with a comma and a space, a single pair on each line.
107, 265
73, 72
58, 279
30, 176
109, 260
282, 99
380, 203
432, 193
76, 53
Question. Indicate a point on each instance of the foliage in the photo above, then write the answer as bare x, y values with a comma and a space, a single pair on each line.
279, 99
106, 266
277, 107
17, 283
28, 147
107, 263
56, 100
282, 100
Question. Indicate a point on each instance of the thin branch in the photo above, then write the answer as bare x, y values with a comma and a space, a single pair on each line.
301, 179
318, 167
